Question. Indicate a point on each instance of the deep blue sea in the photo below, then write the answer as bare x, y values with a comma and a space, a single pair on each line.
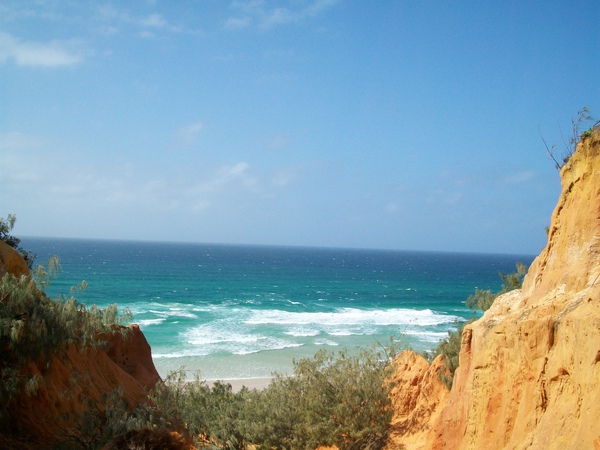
233, 311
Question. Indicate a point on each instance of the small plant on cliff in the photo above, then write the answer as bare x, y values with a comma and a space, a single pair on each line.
482, 300
570, 145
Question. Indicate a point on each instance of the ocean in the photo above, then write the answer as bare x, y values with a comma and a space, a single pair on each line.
236, 311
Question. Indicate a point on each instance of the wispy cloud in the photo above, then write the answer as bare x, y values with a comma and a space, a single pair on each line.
284, 177
518, 178
229, 175
392, 207
38, 54
443, 197
238, 23
148, 25
265, 15
34, 171
188, 134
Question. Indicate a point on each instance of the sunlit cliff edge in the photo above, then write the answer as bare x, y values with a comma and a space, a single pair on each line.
529, 374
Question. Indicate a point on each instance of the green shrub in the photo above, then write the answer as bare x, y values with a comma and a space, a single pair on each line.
332, 399
481, 300
33, 327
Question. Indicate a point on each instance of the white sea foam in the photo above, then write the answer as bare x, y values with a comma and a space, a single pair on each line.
326, 342
302, 332
219, 337
342, 333
181, 354
351, 316
147, 322
428, 336
174, 312
202, 336
280, 345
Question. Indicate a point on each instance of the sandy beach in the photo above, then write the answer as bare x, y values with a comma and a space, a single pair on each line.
250, 383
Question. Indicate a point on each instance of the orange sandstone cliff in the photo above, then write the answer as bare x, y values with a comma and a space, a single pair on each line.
529, 374
73, 382
418, 396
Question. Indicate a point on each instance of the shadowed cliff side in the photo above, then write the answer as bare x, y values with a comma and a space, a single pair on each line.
62, 392
530, 367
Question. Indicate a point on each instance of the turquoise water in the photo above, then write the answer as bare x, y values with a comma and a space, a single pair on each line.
248, 311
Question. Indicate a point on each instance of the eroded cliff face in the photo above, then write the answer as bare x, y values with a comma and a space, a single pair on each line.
75, 382
418, 396
11, 261
529, 374
72, 385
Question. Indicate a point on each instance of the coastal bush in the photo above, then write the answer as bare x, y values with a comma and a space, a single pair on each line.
482, 300
570, 144
513, 280
337, 399
333, 399
33, 327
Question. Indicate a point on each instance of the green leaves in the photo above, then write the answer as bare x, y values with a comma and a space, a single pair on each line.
332, 399
33, 327
481, 300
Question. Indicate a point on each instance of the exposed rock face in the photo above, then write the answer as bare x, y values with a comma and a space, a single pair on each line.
418, 396
11, 261
529, 374
74, 382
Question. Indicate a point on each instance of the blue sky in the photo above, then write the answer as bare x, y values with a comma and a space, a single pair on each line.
379, 124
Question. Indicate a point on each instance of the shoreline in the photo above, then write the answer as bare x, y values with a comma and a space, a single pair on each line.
237, 383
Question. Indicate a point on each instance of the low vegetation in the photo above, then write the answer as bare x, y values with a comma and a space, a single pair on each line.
332, 399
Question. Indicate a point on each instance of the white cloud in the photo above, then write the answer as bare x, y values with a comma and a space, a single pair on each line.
237, 23
35, 173
40, 54
519, 178
444, 197
18, 140
392, 207
153, 21
266, 16
188, 134
284, 177
235, 175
